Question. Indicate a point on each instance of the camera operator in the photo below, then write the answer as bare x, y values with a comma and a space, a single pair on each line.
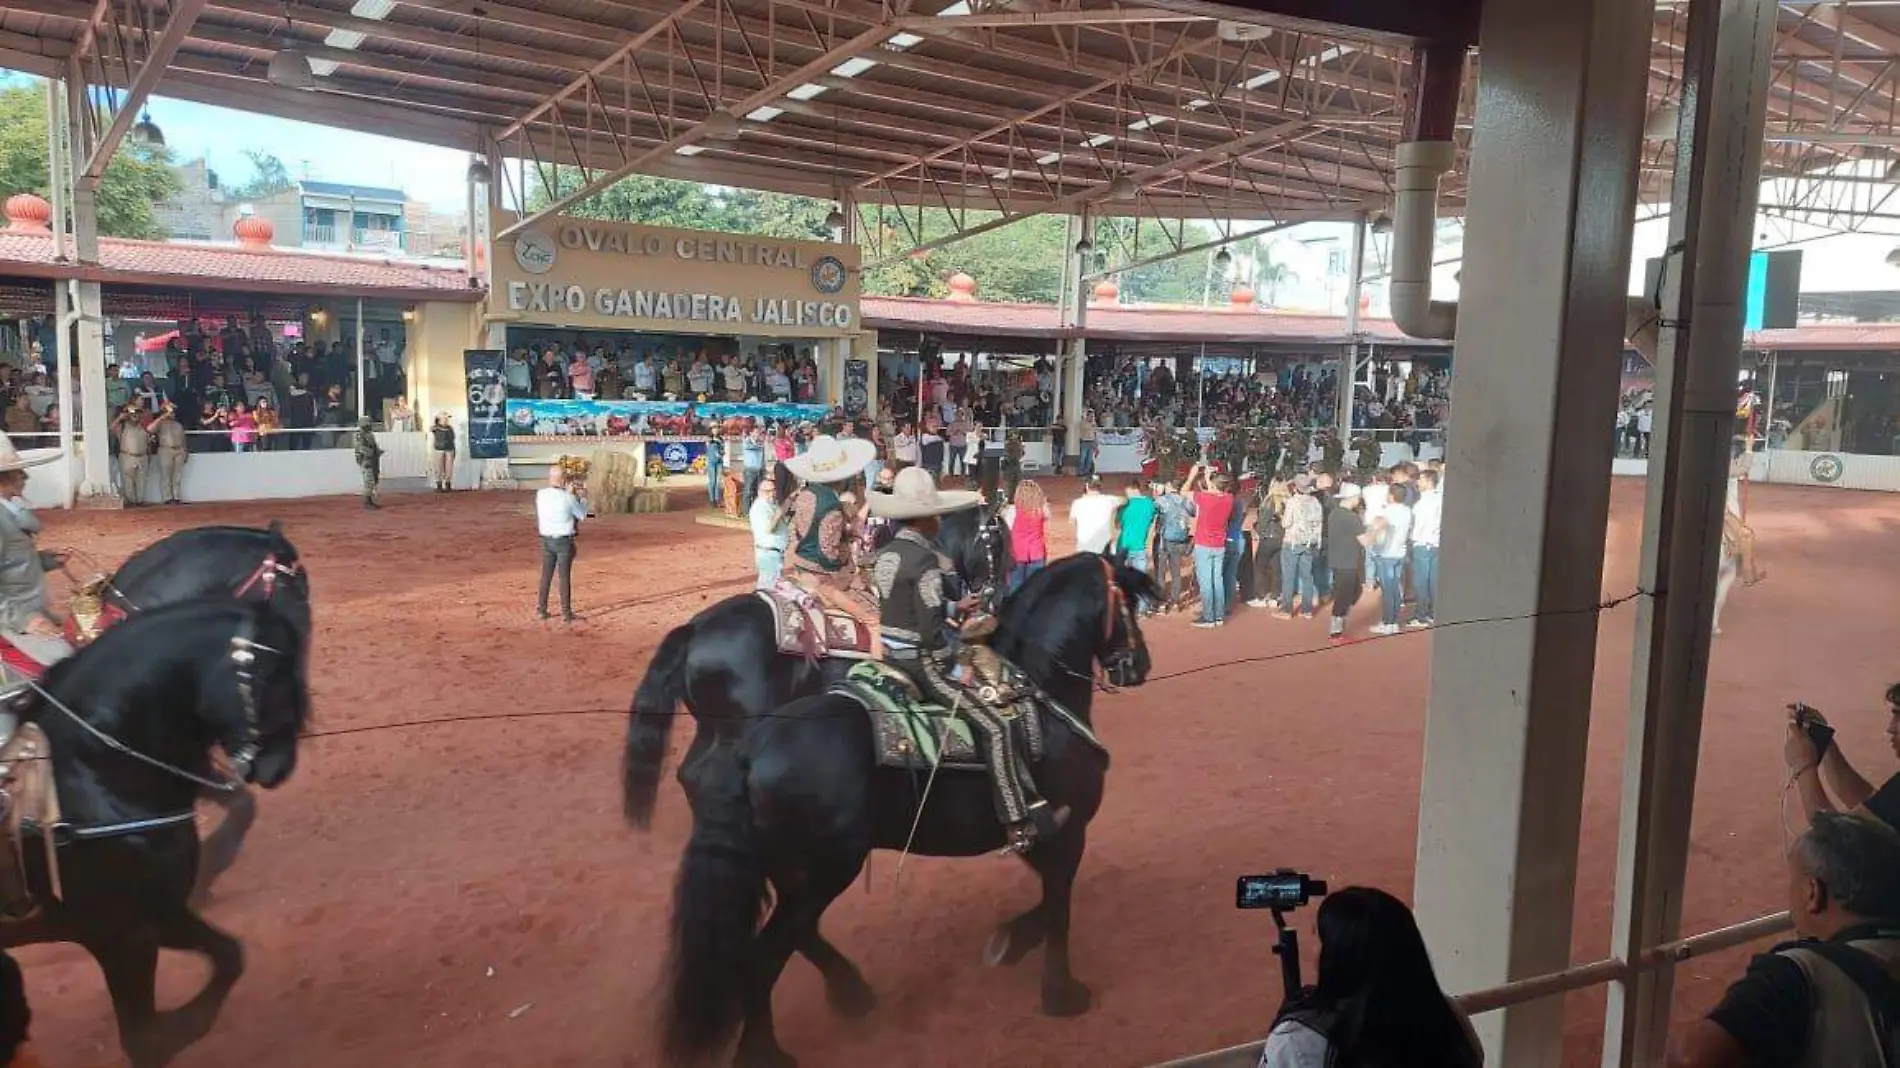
1822, 1000
1819, 768
1377, 1003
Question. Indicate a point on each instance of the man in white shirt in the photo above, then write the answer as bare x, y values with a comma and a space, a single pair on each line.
1427, 520
643, 375
1390, 532
558, 512
1093, 514
1645, 424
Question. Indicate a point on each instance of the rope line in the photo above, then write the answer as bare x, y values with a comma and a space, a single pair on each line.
486, 717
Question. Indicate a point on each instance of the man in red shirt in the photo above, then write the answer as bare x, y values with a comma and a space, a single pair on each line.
1211, 508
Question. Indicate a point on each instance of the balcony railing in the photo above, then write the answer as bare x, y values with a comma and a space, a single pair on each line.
360, 239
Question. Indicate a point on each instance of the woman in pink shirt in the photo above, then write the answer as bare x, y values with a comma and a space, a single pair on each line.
782, 447
1028, 520
580, 376
243, 429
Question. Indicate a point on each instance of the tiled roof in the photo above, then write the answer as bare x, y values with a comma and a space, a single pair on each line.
1122, 323
206, 266
1829, 337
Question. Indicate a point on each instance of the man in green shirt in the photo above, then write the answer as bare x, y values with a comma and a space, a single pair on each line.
1134, 530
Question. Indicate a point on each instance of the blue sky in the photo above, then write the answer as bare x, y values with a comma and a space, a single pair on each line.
433, 175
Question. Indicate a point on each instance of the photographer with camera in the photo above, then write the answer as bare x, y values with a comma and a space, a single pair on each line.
1377, 1003
1818, 768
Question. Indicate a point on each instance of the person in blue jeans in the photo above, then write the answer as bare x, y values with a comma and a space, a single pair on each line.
754, 453
1211, 508
1236, 548
1304, 522
1426, 518
715, 465
1134, 530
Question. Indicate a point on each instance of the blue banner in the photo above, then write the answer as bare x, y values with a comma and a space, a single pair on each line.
584, 418
679, 457
487, 400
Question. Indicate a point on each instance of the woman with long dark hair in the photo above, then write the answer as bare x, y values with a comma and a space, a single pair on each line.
1378, 1003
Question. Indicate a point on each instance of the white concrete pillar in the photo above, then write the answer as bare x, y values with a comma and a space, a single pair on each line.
95, 488
1349, 353
1547, 246
1727, 55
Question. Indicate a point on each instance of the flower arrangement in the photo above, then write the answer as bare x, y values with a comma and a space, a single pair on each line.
575, 468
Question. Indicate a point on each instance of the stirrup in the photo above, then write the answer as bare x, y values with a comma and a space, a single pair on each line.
1022, 838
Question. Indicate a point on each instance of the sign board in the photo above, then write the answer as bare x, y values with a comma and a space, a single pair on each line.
591, 275
857, 387
1772, 298
487, 401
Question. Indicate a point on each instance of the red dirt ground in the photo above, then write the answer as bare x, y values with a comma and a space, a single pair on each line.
468, 895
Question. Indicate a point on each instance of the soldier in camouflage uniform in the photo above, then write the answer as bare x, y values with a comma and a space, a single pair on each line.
369, 460
916, 589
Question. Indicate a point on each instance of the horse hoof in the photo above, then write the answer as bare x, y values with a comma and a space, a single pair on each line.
853, 1000
1069, 999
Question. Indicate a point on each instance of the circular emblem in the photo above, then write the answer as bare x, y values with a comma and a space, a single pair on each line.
534, 251
1827, 468
521, 417
828, 274
674, 456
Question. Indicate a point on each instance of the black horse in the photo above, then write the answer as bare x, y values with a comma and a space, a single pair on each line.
131, 720
251, 564
789, 811
725, 666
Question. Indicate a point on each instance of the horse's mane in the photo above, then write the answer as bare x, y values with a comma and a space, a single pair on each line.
168, 551
1038, 628
960, 535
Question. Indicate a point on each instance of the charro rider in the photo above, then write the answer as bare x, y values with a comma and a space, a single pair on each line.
820, 547
26, 623
910, 576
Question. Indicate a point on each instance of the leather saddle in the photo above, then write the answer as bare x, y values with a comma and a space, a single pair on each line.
28, 798
915, 733
803, 625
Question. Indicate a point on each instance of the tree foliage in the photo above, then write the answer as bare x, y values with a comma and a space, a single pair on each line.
1017, 263
269, 176
137, 177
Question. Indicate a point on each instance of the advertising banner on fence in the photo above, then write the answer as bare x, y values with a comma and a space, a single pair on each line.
1120, 452
857, 386
582, 418
487, 398
679, 457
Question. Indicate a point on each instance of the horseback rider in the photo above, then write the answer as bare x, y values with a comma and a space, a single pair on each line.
915, 584
821, 551
26, 622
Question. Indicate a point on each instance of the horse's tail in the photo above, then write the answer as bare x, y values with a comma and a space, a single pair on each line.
717, 902
651, 724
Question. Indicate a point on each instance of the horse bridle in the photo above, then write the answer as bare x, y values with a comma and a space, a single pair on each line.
244, 650
267, 573
1122, 657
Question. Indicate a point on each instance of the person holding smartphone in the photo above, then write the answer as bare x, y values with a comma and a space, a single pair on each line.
1826, 780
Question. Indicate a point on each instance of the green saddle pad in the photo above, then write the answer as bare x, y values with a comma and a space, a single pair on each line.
911, 733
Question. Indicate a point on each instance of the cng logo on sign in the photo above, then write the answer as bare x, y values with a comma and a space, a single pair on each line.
534, 251
1827, 469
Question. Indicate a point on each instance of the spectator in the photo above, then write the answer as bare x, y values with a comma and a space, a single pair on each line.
1345, 541
1377, 1001
1175, 544
118, 390
171, 453
133, 428
1427, 517
1085, 458
1817, 774
149, 396
959, 440
517, 373
1830, 998
715, 465
1391, 535
549, 381
1269, 539
1306, 534
558, 513
243, 428
905, 449
369, 461
1134, 532
21, 422
930, 447
1212, 508
300, 411
442, 453
1028, 522
770, 534
1236, 549
1093, 514
752, 460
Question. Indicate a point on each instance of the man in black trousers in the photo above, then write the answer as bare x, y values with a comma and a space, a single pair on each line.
558, 513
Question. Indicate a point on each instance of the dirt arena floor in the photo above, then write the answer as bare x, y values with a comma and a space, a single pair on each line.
467, 895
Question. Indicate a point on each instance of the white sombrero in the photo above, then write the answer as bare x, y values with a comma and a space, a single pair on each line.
914, 495
828, 459
12, 459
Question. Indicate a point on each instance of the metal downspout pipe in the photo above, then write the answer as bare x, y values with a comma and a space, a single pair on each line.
1427, 155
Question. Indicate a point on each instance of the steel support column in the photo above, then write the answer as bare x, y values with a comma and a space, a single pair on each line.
1350, 352
1075, 319
1712, 215
1556, 153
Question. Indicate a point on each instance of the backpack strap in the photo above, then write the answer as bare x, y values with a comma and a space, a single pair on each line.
1876, 982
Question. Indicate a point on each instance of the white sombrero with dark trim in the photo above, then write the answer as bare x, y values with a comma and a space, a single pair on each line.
914, 495
828, 459
12, 459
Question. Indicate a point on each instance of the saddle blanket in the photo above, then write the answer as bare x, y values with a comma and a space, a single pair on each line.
804, 626
916, 734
